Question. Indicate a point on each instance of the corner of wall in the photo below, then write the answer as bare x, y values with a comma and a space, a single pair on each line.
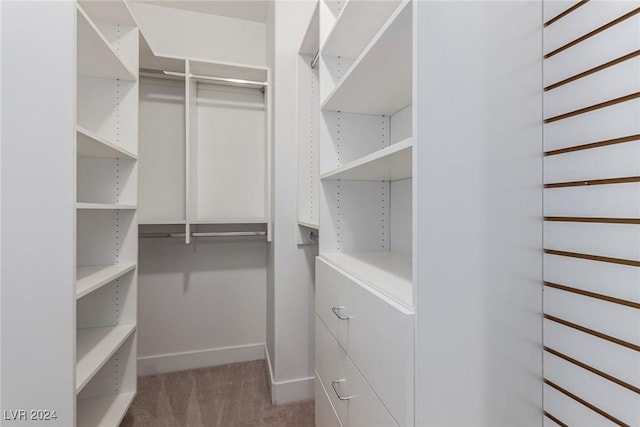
296, 390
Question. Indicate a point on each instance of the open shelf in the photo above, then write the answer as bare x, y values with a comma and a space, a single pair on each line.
379, 81
91, 144
114, 12
94, 346
356, 25
89, 278
227, 70
388, 164
96, 57
159, 63
104, 411
103, 206
389, 273
309, 225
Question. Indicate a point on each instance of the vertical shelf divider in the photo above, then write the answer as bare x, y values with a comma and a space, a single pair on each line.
191, 93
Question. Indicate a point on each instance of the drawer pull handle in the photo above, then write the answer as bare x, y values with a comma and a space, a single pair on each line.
336, 311
334, 384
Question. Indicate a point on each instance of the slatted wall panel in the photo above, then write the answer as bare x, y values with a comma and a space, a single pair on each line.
592, 213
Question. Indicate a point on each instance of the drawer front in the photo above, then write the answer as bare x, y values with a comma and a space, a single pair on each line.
377, 337
330, 363
325, 414
330, 296
355, 402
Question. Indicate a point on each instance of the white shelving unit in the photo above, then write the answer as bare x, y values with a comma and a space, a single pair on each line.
208, 171
106, 212
367, 143
309, 132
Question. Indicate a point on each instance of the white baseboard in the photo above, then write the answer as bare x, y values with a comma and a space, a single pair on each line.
173, 362
291, 390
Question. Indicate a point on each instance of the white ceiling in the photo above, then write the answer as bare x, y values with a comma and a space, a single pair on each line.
252, 10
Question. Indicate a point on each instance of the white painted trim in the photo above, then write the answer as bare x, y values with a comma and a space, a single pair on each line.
294, 390
199, 359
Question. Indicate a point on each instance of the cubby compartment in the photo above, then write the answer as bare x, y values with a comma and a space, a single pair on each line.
106, 237
107, 181
105, 49
108, 108
355, 25
105, 351
110, 305
367, 232
379, 80
104, 400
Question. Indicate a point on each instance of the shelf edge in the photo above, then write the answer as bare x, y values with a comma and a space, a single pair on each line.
104, 141
369, 158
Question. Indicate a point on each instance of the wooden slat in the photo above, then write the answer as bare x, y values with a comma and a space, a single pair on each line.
591, 145
593, 33
593, 332
593, 370
594, 107
590, 257
554, 419
593, 70
598, 220
565, 12
601, 297
606, 181
587, 404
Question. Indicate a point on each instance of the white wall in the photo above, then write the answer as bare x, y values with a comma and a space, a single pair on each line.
38, 210
183, 33
292, 266
0, 206
270, 344
201, 304
479, 325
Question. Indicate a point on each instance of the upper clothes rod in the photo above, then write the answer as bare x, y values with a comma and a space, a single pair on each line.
218, 79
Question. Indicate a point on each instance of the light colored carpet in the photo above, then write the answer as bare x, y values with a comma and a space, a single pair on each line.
234, 395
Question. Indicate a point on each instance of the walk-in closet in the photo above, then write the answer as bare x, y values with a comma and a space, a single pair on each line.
298, 213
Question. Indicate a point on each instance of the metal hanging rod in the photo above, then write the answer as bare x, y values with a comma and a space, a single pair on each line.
204, 234
229, 234
218, 79
314, 61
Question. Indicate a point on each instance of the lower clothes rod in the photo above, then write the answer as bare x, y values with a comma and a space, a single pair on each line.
229, 234
203, 234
